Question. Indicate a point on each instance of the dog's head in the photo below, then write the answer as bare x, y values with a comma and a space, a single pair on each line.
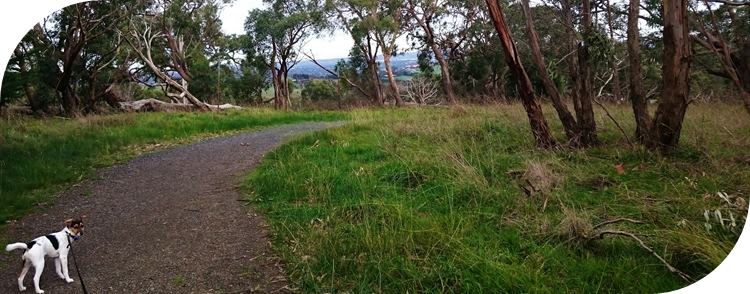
75, 226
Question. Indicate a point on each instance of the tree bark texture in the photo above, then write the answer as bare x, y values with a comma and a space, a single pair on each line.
568, 121
539, 127
667, 124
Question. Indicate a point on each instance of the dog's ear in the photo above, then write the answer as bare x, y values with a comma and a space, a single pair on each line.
68, 222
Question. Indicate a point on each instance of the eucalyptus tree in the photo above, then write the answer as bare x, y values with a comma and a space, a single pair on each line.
429, 16
568, 121
241, 71
474, 51
353, 17
62, 41
170, 38
667, 123
31, 73
279, 32
724, 31
374, 26
539, 127
579, 67
389, 24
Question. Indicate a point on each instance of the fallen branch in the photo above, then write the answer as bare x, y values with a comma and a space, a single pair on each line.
617, 220
643, 245
615, 121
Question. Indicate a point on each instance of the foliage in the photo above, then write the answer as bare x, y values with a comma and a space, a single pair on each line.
317, 90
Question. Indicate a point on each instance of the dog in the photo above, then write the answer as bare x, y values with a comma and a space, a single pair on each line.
55, 245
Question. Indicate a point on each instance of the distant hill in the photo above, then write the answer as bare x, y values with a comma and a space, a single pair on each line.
403, 63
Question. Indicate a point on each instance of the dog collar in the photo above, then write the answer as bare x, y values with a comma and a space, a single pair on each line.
74, 237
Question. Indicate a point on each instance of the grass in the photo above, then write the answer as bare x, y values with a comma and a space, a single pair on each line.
178, 280
432, 200
39, 157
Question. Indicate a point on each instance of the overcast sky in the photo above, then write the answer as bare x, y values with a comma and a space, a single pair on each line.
323, 47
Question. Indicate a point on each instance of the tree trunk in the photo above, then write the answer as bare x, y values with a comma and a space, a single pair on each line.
69, 101
586, 121
29, 91
278, 89
377, 92
539, 126
741, 61
93, 82
445, 74
145, 45
287, 94
573, 70
637, 98
33, 98
176, 53
613, 61
567, 119
667, 124
68, 97
391, 79
112, 96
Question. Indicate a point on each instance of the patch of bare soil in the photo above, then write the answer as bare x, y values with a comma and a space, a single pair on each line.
172, 221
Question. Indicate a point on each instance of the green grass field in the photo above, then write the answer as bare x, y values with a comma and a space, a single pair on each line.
40, 157
432, 200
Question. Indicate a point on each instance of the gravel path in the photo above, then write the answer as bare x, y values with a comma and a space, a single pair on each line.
172, 221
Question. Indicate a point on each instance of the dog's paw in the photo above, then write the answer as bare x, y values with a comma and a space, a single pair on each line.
39, 291
22, 288
69, 280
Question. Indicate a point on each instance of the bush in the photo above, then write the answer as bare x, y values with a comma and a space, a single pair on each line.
318, 90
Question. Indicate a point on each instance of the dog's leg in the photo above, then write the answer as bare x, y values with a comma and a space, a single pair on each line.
38, 268
64, 261
24, 270
58, 269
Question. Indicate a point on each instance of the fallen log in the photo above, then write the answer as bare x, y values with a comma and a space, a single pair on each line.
154, 105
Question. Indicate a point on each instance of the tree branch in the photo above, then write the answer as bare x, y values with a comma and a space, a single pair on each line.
312, 58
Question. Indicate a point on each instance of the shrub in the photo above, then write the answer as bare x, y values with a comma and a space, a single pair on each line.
318, 90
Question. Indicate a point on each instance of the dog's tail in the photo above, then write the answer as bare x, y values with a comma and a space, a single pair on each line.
16, 246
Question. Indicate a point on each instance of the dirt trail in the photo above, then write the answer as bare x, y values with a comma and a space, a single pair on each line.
172, 221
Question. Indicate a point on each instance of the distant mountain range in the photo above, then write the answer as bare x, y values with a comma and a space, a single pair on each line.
403, 64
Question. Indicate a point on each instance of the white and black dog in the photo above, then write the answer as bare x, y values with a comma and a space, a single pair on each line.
55, 245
